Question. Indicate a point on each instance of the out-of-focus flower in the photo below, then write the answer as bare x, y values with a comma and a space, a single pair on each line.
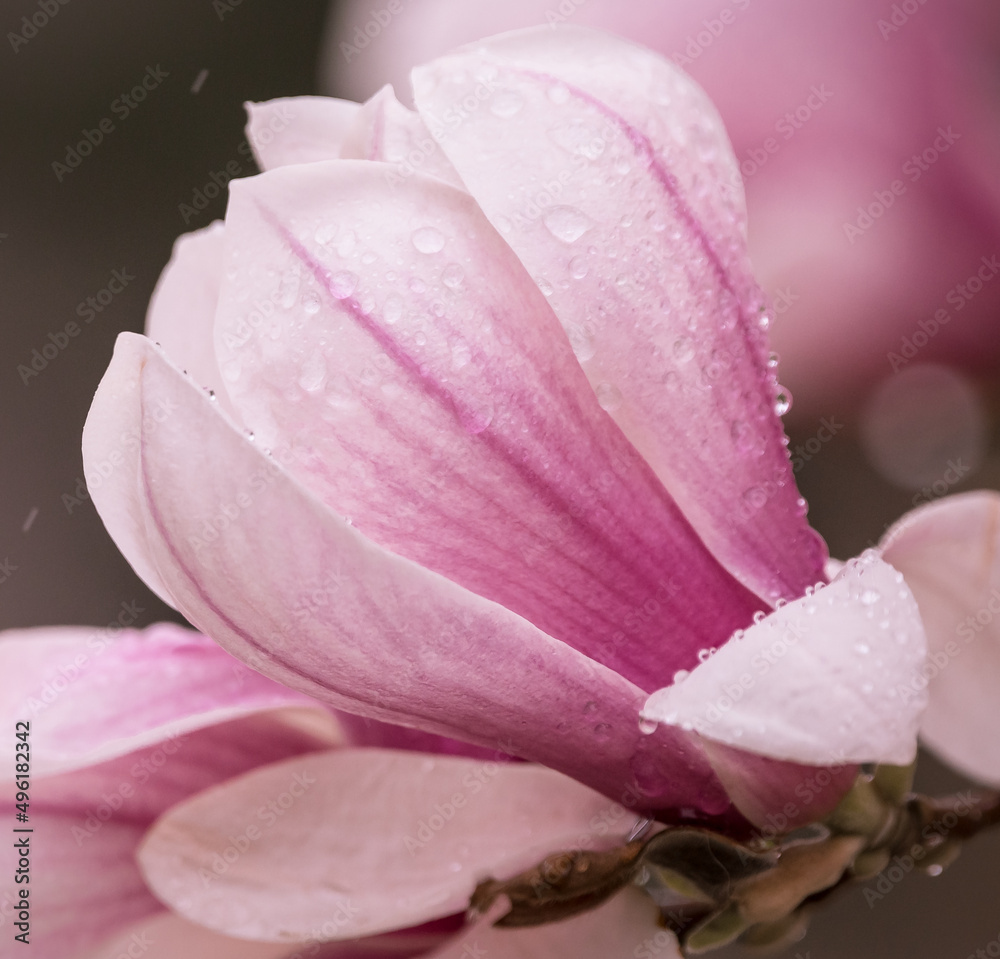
866, 135
483, 439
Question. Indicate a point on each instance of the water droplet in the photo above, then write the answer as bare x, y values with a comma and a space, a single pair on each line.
452, 276
934, 869
249, 435
589, 708
683, 349
582, 343
313, 374
461, 355
608, 396
506, 104
772, 361
343, 284
870, 597
346, 244
325, 233
743, 436
783, 401
393, 309
211, 394
477, 419
681, 675
578, 267
427, 239
587, 138
862, 649
648, 726
311, 304
559, 94
566, 223
544, 285
764, 320
759, 616
704, 655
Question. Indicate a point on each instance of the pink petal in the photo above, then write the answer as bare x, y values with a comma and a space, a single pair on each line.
818, 681
949, 552
362, 841
627, 208
623, 927
88, 823
247, 551
420, 385
298, 129
182, 311
90, 696
385, 130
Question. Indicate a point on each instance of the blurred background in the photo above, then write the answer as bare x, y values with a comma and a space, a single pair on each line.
868, 135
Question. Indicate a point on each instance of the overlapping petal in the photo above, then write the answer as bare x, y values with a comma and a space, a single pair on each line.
627, 210
819, 680
949, 552
289, 853
294, 130
419, 384
241, 546
91, 697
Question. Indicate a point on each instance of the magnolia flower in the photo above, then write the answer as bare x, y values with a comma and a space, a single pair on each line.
489, 452
828, 106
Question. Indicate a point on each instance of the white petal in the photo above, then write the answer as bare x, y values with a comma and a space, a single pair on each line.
833, 678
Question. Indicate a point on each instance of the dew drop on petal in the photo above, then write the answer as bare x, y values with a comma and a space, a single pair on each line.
311, 304
608, 396
566, 223
452, 276
506, 104
343, 284
325, 232
427, 239
578, 267
681, 675
870, 597
782, 402
475, 420
862, 649
393, 309
589, 708
759, 616
683, 349
313, 374
582, 343
648, 726
602, 731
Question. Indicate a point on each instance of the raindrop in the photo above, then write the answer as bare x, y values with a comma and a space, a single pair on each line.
582, 343
506, 104
759, 616
862, 649
249, 435
325, 233
590, 708
313, 374
452, 276
427, 240
681, 675
476, 420
935, 869
870, 597
704, 655
566, 223
343, 284
648, 726
772, 361
608, 396
311, 304
578, 267
782, 402
211, 394
393, 309
602, 731
683, 349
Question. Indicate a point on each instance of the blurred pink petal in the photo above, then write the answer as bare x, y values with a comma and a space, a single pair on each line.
166, 680
628, 213
828, 105
276, 854
949, 552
